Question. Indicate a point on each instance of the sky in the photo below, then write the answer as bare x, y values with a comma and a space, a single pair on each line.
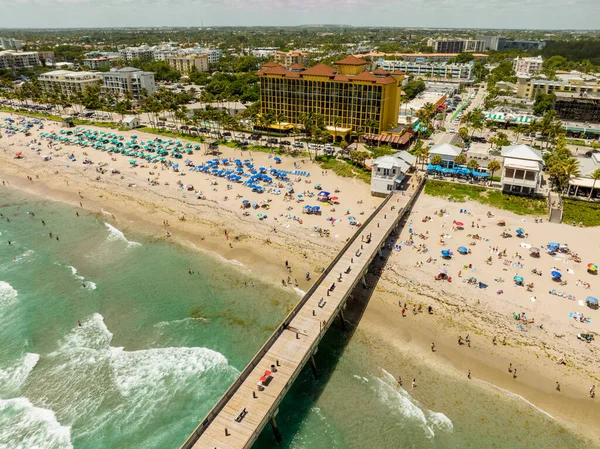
512, 14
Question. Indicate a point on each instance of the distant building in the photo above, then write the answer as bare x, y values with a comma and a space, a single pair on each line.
521, 170
129, 79
578, 107
214, 54
498, 43
11, 59
421, 57
66, 82
358, 98
574, 82
143, 51
262, 52
185, 64
456, 45
288, 59
102, 62
10, 44
529, 66
233, 108
435, 71
388, 172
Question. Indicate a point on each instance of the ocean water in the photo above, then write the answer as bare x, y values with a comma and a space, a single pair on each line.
106, 341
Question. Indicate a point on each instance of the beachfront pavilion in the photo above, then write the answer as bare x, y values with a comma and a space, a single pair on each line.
522, 170
388, 172
584, 186
447, 152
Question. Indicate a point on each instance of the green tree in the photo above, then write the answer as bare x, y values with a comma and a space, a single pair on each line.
543, 102
473, 164
436, 159
595, 176
460, 159
493, 166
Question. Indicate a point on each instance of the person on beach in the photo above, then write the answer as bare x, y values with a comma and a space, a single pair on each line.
510, 368
592, 391
432, 347
79, 323
515, 373
469, 375
557, 387
414, 383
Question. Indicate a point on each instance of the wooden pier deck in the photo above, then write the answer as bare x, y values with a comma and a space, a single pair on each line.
236, 421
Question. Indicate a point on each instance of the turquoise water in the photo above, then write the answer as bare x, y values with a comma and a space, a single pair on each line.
157, 346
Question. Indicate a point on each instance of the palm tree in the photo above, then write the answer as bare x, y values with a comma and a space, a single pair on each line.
518, 130
595, 176
493, 166
473, 164
461, 159
336, 121
372, 125
279, 118
436, 159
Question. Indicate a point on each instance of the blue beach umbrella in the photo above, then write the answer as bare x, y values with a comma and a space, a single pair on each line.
592, 300
520, 231
556, 275
463, 250
446, 253
518, 278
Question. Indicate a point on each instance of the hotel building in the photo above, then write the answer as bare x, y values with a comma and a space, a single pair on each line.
360, 99
11, 59
432, 71
288, 59
66, 82
129, 79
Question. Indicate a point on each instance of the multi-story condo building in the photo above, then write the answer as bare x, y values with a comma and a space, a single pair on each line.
288, 59
433, 71
129, 79
456, 45
528, 66
214, 54
66, 82
101, 62
130, 53
578, 107
529, 87
185, 64
10, 43
11, 59
497, 43
347, 96
163, 52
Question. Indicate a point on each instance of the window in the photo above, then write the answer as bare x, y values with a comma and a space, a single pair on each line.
390, 187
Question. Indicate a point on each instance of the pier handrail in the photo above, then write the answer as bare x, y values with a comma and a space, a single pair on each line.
213, 413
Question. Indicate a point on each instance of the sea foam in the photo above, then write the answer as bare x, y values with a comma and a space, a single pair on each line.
24, 426
87, 284
8, 294
13, 377
116, 235
398, 399
138, 383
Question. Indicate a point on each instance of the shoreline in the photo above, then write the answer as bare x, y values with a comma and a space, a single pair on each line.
203, 231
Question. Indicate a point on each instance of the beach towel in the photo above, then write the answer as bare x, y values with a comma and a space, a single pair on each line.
581, 303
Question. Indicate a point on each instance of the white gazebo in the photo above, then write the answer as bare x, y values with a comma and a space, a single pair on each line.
447, 152
522, 169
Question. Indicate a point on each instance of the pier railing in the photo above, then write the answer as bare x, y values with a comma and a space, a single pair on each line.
214, 412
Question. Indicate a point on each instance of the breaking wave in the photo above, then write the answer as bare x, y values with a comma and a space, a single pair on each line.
116, 235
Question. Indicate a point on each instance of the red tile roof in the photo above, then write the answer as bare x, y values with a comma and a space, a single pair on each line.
352, 60
398, 72
364, 76
320, 70
297, 66
380, 71
271, 64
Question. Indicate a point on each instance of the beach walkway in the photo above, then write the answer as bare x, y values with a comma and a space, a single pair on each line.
253, 399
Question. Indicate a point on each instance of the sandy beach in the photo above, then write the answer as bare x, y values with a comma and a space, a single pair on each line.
539, 325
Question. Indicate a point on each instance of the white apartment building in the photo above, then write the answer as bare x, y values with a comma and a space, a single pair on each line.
129, 79
528, 66
262, 52
214, 54
66, 82
462, 73
185, 64
11, 59
163, 52
521, 169
456, 45
142, 51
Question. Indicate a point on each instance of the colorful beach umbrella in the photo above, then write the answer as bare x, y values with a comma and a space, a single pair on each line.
555, 274
463, 250
592, 267
520, 231
518, 278
446, 253
592, 300
460, 224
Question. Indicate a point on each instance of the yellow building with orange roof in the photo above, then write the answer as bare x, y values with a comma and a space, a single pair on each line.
348, 97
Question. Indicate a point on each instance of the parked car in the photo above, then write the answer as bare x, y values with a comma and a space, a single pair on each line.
285, 142
298, 145
272, 140
227, 134
254, 137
